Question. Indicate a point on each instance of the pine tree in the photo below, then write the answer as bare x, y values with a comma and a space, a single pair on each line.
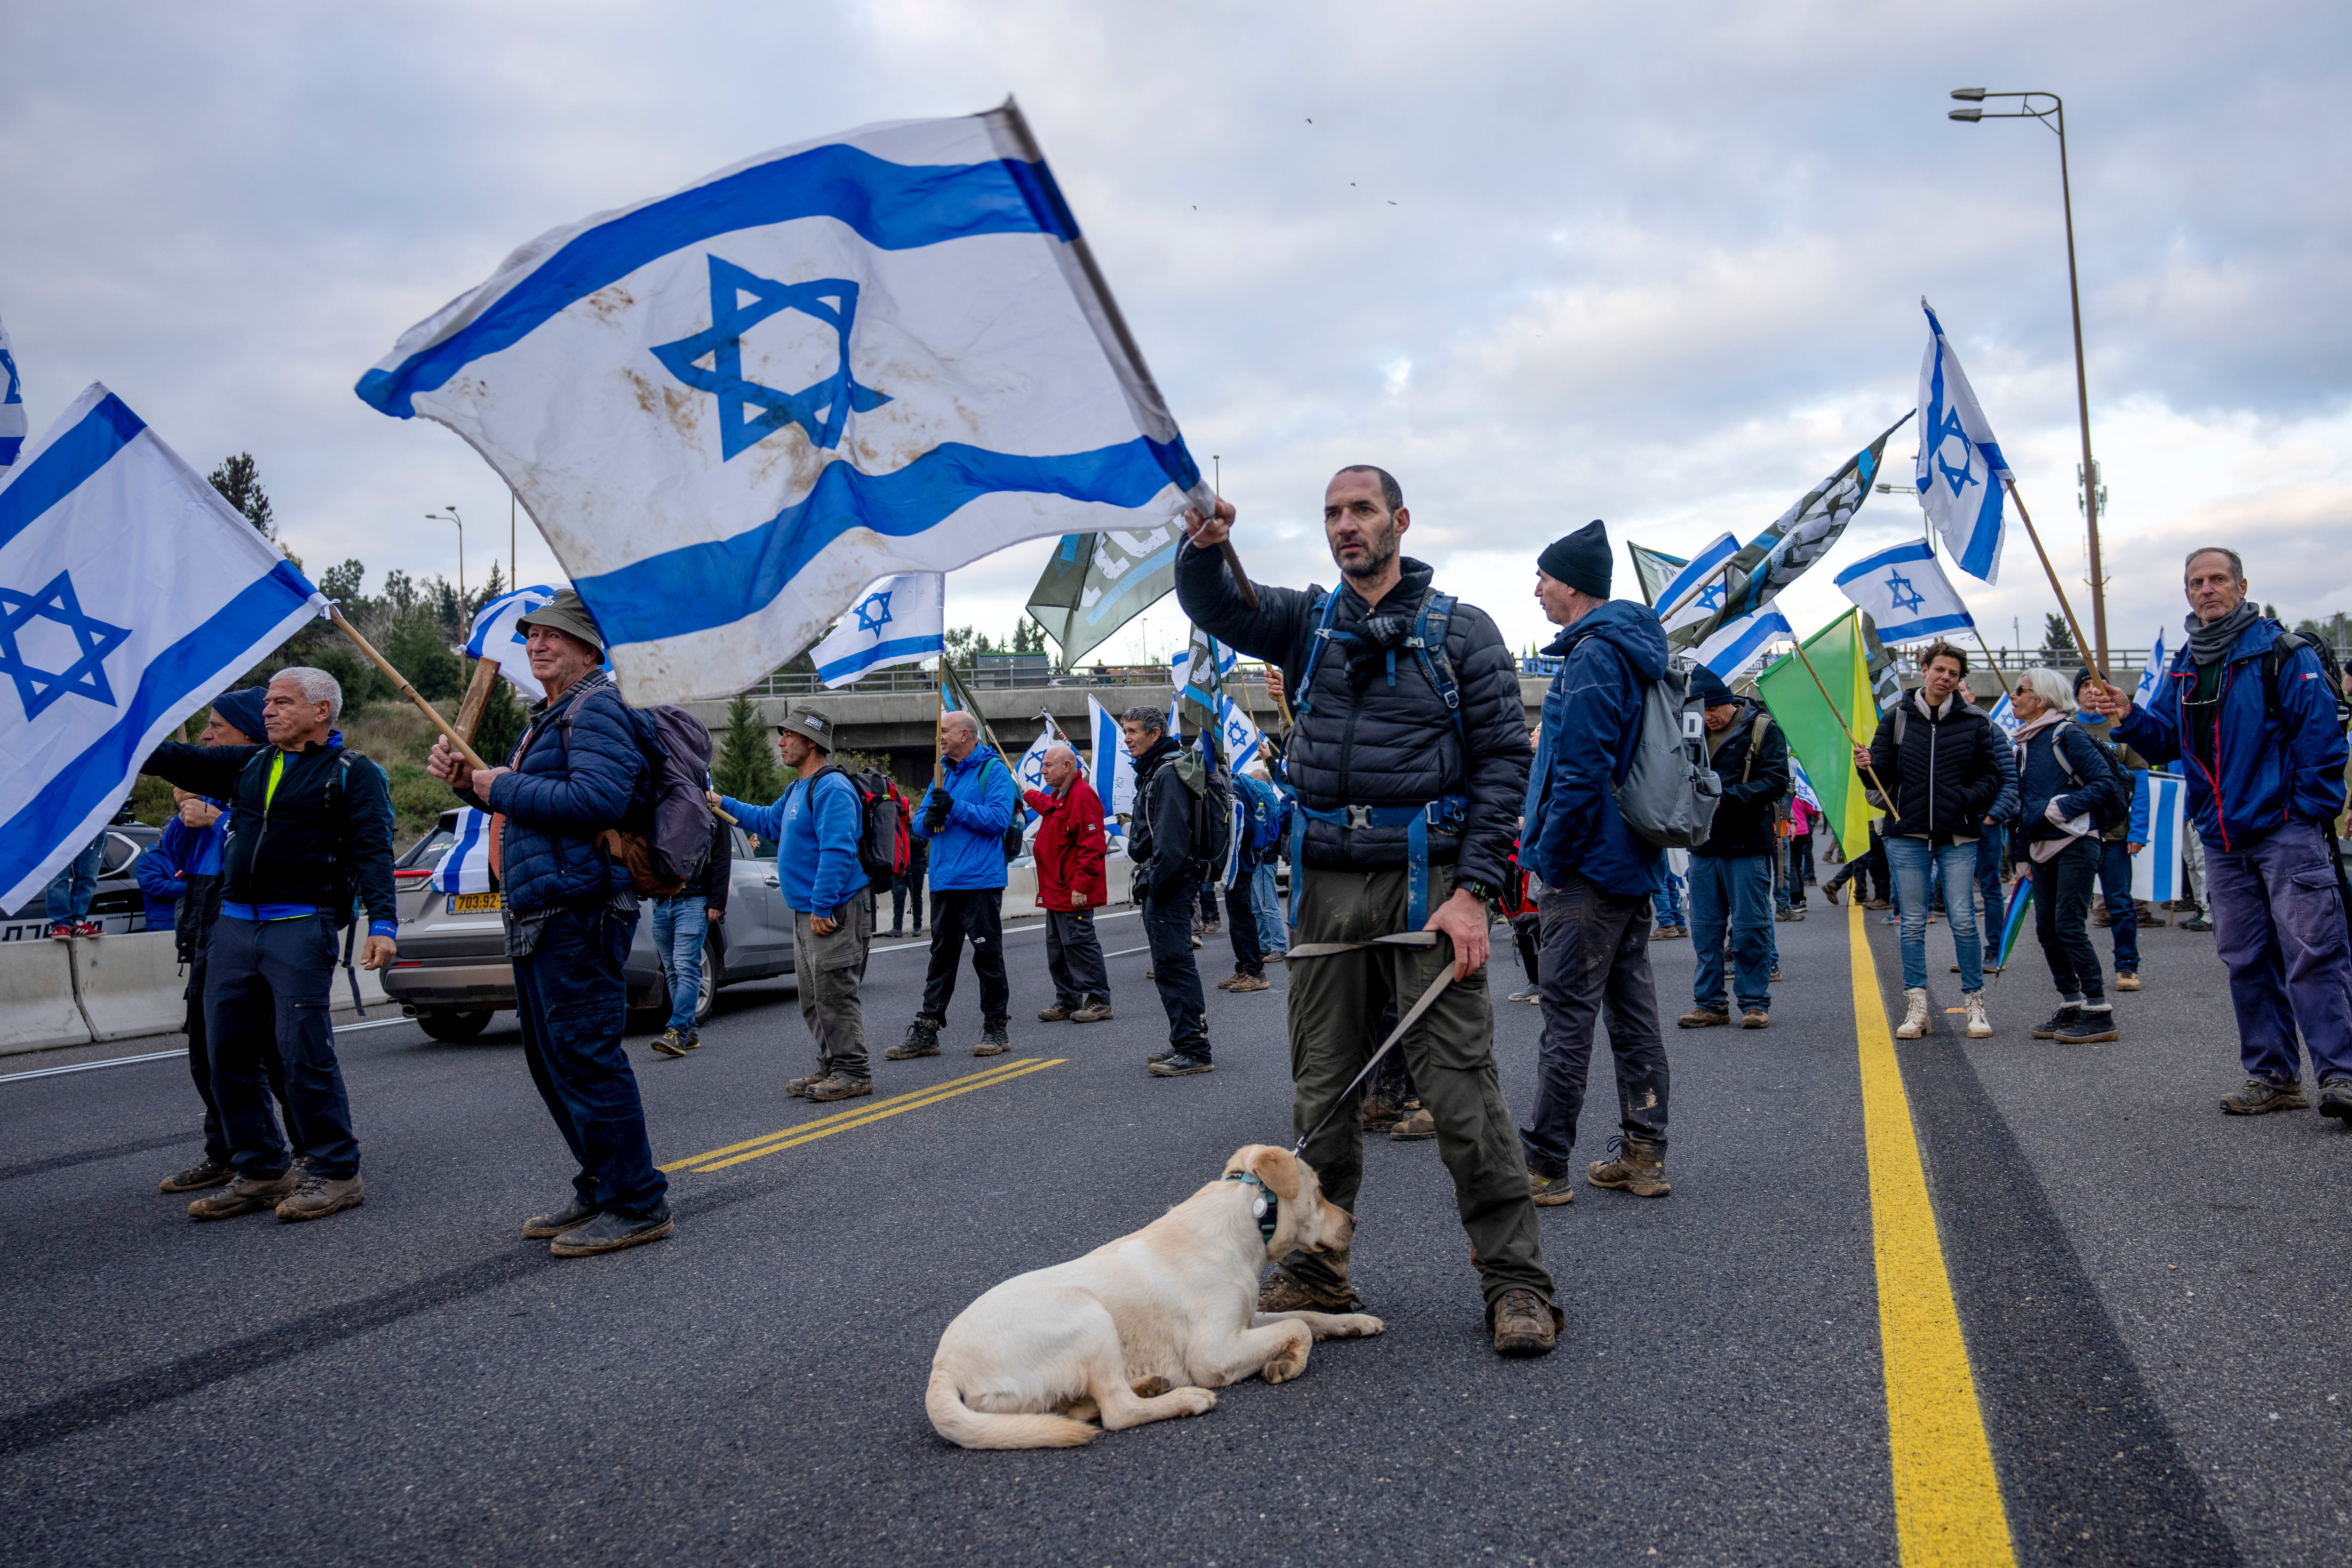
746, 766
239, 483
2057, 640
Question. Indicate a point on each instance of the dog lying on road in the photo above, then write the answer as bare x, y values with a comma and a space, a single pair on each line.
1142, 1328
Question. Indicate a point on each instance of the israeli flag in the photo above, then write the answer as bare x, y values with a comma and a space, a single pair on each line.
1961, 468
1905, 593
465, 867
2004, 717
131, 593
899, 620
12, 407
1030, 771
1111, 771
495, 637
1737, 645
731, 408
1802, 785
2155, 870
2151, 675
1708, 563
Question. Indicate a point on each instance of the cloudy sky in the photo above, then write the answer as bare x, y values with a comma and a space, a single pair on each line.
1659, 264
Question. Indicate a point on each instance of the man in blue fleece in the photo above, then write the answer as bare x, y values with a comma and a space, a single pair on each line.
965, 818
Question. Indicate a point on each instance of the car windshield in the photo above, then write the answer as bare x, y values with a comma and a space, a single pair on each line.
428, 849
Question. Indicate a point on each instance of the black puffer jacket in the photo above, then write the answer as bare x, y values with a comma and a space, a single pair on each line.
1368, 744
1945, 777
1755, 774
1160, 832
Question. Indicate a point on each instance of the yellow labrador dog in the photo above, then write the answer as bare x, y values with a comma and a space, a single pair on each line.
1141, 1329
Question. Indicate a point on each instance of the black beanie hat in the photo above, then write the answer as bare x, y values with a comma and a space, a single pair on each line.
1709, 688
1580, 560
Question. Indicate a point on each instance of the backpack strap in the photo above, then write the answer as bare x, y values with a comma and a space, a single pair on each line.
1305, 703
1755, 739
1428, 641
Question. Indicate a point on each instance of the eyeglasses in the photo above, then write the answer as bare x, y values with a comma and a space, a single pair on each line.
2022, 691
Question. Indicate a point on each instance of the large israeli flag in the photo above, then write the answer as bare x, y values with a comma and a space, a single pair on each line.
1961, 468
1737, 645
902, 619
731, 408
12, 407
1905, 593
2151, 675
131, 593
1110, 769
495, 637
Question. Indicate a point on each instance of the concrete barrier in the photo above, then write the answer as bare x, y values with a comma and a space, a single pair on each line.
129, 986
1021, 887
37, 998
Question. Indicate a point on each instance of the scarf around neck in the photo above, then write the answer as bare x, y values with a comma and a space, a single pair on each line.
2209, 641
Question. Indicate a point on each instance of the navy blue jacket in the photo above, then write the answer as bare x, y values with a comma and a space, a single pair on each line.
2004, 757
2095, 787
1592, 723
2269, 773
580, 770
968, 854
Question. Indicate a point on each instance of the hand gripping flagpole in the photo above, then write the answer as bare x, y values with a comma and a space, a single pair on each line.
433, 714
1875, 782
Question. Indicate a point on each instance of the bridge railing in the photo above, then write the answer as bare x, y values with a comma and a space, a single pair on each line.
910, 677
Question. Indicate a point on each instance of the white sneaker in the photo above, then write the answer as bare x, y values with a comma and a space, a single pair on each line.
1914, 1021
1979, 1029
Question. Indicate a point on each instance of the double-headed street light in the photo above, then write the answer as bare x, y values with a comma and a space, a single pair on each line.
450, 515
2052, 115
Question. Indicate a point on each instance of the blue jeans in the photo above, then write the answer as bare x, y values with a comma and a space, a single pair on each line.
2123, 914
1667, 902
1783, 897
70, 891
1913, 860
572, 1004
679, 926
1737, 890
1265, 902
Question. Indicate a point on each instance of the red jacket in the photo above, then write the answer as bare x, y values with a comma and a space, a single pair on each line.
1070, 849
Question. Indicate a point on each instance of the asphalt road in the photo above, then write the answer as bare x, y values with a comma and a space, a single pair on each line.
2153, 1299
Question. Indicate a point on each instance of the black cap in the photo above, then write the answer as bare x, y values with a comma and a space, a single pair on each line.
1709, 688
1580, 560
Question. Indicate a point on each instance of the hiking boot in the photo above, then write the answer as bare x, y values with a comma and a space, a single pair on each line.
2260, 1094
1227, 982
1549, 1192
1241, 983
1639, 1168
2065, 1018
839, 1085
319, 1196
1527, 994
1420, 1124
2196, 922
1159, 1056
1380, 1111
993, 1041
923, 1039
2091, 1026
1092, 1013
1980, 1028
1667, 933
1775, 976
207, 1173
1184, 1064
556, 1222
1877, 904
798, 1087
676, 1042
1915, 1016
245, 1194
2127, 981
1056, 1014
1524, 1323
2336, 1100
1276, 955
1788, 914
1702, 1019
1756, 1018
1281, 1293
610, 1233
1211, 928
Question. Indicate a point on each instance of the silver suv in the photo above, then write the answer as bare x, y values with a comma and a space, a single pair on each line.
453, 973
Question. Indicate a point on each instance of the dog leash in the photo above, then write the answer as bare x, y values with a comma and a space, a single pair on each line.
1424, 939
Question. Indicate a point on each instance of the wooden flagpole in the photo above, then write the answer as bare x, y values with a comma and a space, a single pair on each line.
465, 748
2090, 657
1876, 782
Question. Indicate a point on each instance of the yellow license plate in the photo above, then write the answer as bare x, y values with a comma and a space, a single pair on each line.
473, 903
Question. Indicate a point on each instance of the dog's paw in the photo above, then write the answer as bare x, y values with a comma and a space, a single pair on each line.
1359, 1326
1151, 1387
1197, 1401
1286, 1366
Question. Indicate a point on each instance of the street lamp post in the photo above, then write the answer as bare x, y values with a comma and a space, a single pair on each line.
2053, 118
450, 515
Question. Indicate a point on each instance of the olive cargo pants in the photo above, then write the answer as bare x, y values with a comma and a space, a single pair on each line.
1335, 1012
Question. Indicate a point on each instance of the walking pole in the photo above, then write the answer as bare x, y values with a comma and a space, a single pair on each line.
1875, 782
464, 747
2089, 657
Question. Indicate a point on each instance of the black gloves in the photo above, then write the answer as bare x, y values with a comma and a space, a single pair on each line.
935, 811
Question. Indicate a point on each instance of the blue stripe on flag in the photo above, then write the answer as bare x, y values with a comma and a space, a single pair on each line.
896, 648
66, 463
451, 871
174, 676
893, 207
1912, 631
700, 587
1984, 539
1894, 556
1726, 661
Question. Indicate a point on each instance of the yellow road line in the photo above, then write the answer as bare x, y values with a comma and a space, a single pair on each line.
795, 1142
1948, 1507
998, 1071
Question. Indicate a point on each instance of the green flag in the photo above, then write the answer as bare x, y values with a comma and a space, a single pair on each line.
1816, 718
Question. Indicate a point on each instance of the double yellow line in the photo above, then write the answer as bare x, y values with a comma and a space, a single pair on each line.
862, 1115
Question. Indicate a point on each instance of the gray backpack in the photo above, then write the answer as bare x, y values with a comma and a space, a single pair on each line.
1668, 793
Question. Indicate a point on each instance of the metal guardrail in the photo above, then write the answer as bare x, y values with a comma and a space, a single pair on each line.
906, 678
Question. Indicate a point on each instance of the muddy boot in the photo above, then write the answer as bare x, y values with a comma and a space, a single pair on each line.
1056, 1014
1980, 1026
1412, 1128
1914, 1017
993, 1040
1702, 1019
1639, 1168
1281, 1293
1380, 1111
1549, 1192
208, 1172
1092, 1013
1241, 983
1524, 1324
799, 1086
2259, 1096
839, 1085
923, 1039
245, 1194
319, 1196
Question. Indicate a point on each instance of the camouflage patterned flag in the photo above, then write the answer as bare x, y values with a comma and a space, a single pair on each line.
1096, 582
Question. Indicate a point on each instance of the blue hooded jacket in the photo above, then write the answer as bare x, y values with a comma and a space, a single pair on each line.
1592, 723
814, 826
2266, 778
968, 854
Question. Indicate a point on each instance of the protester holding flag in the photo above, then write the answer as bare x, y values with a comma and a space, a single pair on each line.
2064, 787
1731, 873
2250, 707
1071, 885
963, 819
571, 911
1936, 753
313, 828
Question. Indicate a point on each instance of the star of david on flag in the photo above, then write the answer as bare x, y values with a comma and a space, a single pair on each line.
1960, 471
131, 595
2151, 675
731, 408
1708, 563
900, 620
1904, 590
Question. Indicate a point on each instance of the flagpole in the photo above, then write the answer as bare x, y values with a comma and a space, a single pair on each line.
2080, 643
464, 747
477, 696
1876, 782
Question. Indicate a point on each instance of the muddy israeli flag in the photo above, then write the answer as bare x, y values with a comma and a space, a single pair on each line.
730, 408
1960, 471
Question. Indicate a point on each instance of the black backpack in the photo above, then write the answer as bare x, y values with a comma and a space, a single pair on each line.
884, 842
2274, 664
1212, 815
2109, 820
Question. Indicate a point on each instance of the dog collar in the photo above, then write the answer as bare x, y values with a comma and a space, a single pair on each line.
1266, 1205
